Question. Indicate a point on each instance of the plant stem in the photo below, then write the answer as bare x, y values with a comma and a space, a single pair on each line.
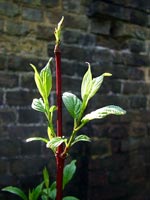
59, 158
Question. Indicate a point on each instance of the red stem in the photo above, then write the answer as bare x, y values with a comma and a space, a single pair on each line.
59, 158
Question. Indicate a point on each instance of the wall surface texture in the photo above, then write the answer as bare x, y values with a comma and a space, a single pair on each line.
114, 36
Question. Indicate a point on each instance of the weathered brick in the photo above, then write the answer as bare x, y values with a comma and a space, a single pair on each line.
23, 132
134, 45
9, 9
135, 59
100, 27
1, 98
80, 55
102, 56
136, 88
103, 100
32, 14
20, 98
45, 32
140, 5
12, 149
21, 63
138, 17
35, 2
1, 26
102, 8
122, 29
76, 37
17, 29
8, 80
7, 116
3, 61
50, 3
30, 148
103, 146
25, 166
72, 6
74, 21
3, 166
138, 101
137, 129
29, 116
72, 68
70, 84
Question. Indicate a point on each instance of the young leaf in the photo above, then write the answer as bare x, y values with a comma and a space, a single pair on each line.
53, 108
46, 177
37, 139
55, 142
52, 192
80, 138
96, 84
38, 81
17, 191
46, 78
86, 85
38, 105
68, 173
70, 198
37, 192
103, 112
72, 103
57, 32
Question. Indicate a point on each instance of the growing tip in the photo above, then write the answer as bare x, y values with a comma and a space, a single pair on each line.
107, 74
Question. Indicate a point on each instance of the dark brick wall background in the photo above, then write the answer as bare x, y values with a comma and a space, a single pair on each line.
114, 36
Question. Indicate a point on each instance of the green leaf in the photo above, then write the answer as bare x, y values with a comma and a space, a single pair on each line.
70, 198
86, 83
68, 173
37, 139
46, 78
46, 177
38, 105
17, 191
53, 108
103, 112
81, 138
96, 84
50, 192
57, 32
72, 103
55, 142
37, 192
38, 81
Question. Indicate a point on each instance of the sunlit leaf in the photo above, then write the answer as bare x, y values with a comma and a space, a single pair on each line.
96, 84
57, 32
68, 173
38, 81
37, 139
86, 83
55, 142
38, 105
103, 112
17, 191
81, 138
72, 103
46, 78
53, 108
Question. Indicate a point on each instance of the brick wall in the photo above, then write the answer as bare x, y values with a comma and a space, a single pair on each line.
114, 36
